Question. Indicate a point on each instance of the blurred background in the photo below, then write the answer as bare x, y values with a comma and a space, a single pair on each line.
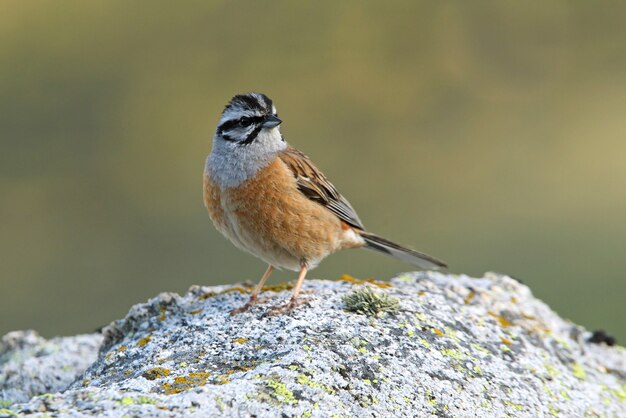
491, 135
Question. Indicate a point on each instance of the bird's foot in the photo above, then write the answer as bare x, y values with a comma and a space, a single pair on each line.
288, 307
253, 301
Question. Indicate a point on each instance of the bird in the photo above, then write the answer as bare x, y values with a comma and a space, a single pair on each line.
270, 200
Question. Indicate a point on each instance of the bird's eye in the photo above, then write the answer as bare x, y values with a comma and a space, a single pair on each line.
245, 122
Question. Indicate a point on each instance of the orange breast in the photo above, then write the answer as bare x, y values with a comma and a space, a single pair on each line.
269, 217
212, 201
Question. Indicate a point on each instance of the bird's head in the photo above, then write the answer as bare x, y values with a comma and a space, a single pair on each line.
249, 118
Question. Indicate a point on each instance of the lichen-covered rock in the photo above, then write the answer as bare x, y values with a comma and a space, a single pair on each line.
447, 346
31, 365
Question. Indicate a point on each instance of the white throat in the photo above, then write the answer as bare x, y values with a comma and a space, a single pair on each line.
231, 163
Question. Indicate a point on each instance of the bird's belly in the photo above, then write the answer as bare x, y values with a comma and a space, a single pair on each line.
269, 217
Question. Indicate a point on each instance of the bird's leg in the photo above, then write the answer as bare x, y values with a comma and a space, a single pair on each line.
293, 301
255, 293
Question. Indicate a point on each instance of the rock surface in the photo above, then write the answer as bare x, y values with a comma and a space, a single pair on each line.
453, 346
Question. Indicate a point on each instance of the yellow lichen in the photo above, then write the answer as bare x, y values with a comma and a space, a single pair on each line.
145, 340
183, 383
469, 297
438, 332
225, 378
278, 287
162, 316
506, 341
207, 295
501, 319
240, 340
156, 372
196, 311
372, 281
238, 289
121, 348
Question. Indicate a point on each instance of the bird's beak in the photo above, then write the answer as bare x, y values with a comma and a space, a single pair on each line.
271, 121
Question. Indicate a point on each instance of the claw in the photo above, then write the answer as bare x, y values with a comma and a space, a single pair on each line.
253, 300
288, 307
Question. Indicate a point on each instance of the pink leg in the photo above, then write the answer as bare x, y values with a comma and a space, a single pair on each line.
293, 301
255, 293
296, 289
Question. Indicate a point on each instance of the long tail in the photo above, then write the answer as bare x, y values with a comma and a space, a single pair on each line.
376, 243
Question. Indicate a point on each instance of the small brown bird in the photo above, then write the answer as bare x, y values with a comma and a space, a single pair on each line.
271, 201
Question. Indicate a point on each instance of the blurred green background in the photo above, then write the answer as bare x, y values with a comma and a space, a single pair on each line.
491, 135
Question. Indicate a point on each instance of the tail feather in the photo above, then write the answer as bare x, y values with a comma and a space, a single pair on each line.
376, 243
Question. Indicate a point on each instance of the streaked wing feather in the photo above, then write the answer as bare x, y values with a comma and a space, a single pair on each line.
314, 185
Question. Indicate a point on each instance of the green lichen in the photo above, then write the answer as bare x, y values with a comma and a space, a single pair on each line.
430, 398
366, 301
479, 348
552, 371
145, 400
219, 401
553, 410
579, 371
307, 414
8, 412
563, 343
619, 393
455, 354
127, 400
515, 406
303, 379
5, 403
452, 334
281, 393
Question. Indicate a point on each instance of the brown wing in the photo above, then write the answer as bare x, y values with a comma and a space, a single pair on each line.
314, 185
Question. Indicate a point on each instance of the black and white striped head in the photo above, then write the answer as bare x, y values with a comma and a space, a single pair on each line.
247, 116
